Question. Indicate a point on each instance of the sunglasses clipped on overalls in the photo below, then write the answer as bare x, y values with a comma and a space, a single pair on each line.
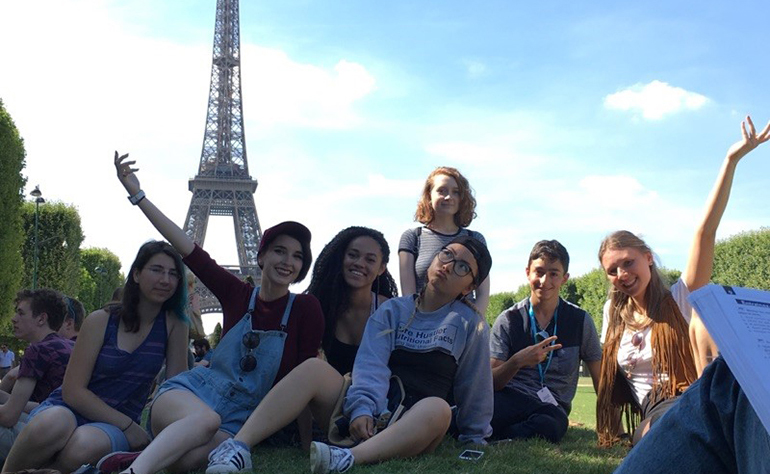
247, 360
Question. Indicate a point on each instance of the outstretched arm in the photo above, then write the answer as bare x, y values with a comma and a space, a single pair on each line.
701, 260
164, 225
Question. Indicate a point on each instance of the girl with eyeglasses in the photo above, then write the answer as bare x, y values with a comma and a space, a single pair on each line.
266, 332
351, 280
445, 209
654, 343
435, 342
118, 353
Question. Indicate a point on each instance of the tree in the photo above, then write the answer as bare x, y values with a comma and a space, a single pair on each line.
744, 260
216, 336
11, 187
499, 302
99, 276
59, 239
591, 289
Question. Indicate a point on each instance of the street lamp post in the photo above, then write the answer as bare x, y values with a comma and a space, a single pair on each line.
35, 193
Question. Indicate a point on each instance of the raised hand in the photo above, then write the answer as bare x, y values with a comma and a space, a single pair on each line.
749, 141
127, 174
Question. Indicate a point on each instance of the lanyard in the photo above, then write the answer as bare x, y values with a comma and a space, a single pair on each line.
532, 328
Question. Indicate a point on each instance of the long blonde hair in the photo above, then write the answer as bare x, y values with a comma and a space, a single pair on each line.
672, 353
655, 293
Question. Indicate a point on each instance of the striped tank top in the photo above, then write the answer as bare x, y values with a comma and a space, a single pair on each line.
123, 379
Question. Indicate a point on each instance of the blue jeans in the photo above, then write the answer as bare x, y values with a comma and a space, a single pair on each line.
712, 428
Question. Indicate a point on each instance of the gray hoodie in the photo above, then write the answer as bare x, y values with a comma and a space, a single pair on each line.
454, 329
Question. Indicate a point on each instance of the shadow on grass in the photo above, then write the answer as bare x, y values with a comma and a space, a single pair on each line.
577, 453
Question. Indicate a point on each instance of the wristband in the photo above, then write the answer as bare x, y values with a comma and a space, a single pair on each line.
136, 198
131, 422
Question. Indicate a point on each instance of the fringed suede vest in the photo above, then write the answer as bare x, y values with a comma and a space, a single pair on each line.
671, 356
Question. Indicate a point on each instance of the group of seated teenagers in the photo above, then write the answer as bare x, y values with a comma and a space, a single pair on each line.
394, 372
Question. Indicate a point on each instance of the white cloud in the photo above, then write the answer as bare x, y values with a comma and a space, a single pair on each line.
475, 69
86, 83
655, 100
465, 151
281, 91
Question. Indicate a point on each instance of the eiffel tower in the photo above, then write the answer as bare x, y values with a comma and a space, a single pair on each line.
223, 186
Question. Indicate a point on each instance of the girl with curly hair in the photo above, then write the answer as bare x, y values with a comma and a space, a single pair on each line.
445, 210
434, 342
351, 280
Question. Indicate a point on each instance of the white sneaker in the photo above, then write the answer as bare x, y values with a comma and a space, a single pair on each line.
325, 459
229, 457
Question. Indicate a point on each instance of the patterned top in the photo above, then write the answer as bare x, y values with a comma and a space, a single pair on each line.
123, 379
424, 244
46, 361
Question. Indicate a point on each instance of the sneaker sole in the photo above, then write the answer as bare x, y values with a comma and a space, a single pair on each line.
232, 467
319, 459
100, 464
224, 470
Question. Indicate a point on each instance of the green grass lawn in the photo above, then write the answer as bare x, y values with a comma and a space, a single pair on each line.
577, 453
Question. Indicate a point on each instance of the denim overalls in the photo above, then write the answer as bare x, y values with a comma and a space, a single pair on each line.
232, 393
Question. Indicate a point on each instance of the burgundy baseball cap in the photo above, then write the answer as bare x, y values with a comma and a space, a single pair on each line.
295, 230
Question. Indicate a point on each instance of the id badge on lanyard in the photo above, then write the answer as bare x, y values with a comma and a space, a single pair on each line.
544, 394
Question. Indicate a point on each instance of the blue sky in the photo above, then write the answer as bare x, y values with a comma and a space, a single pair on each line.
570, 120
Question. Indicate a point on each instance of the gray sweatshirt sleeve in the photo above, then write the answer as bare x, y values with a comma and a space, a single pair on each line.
473, 385
371, 374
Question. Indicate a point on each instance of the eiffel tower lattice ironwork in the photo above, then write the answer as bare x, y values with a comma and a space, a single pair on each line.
223, 186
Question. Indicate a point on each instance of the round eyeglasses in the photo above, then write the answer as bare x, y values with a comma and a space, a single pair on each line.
251, 341
460, 267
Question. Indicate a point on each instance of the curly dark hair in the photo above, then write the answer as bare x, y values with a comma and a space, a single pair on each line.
45, 300
328, 283
467, 209
130, 303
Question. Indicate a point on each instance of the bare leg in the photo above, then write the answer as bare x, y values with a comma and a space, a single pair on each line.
181, 422
45, 435
197, 459
86, 445
419, 431
314, 383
